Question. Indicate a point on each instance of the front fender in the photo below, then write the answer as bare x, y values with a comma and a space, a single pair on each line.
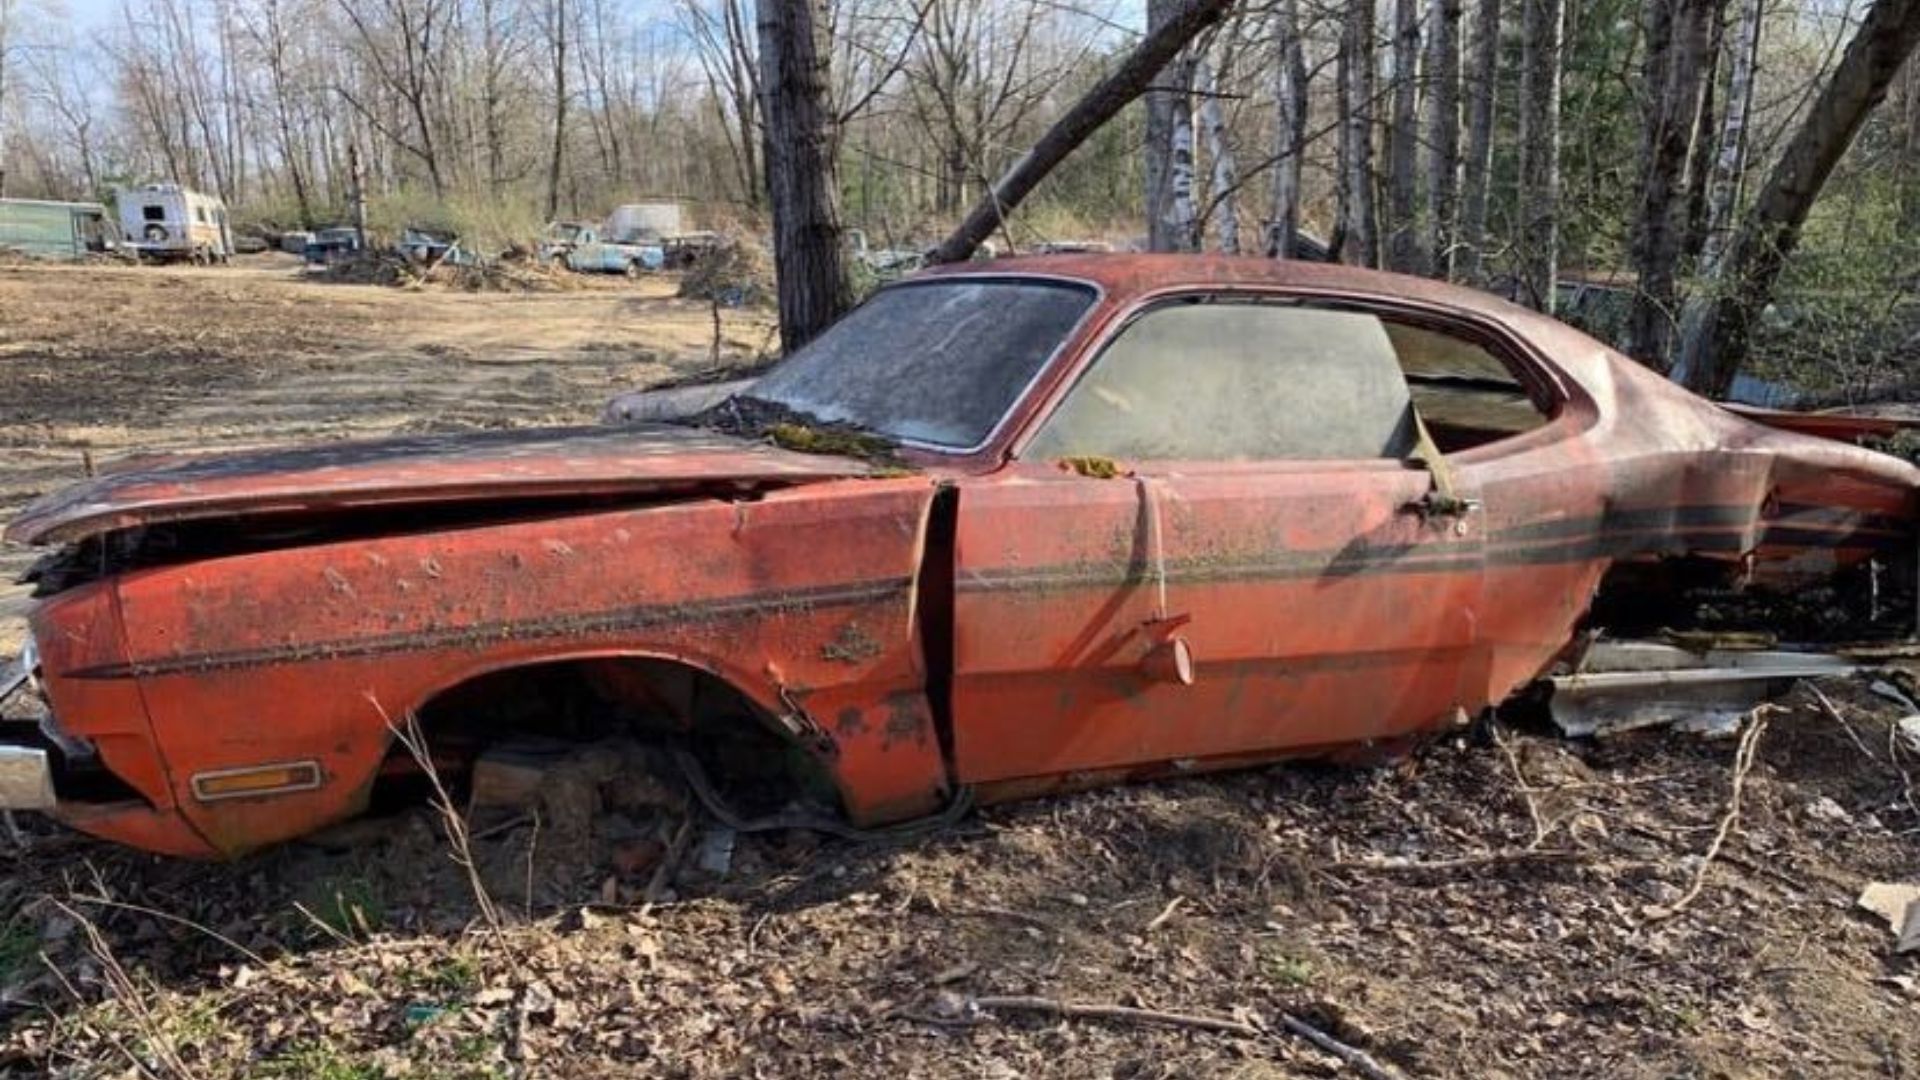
802, 599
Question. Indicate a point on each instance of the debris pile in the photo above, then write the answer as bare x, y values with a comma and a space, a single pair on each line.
736, 272
468, 274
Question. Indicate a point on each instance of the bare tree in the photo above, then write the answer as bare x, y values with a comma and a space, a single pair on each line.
726, 52
1290, 89
556, 19
1538, 247
1712, 353
1357, 236
1125, 83
810, 266
1677, 34
1730, 157
1225, 179
1443, 133
1477, 171
1403, 143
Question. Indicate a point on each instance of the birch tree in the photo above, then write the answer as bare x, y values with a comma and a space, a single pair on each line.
1225, 177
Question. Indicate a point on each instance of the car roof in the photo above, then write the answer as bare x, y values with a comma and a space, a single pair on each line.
1123, 275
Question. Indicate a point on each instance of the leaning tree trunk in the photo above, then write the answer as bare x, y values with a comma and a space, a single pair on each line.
1538, 239
1289, 129
1359, 236
1443, 133
1742, 285
1099, 105
1677, 33
809, 255
1403, 143
1471, 258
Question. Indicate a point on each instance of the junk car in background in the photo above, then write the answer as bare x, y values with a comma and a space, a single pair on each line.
1085, 519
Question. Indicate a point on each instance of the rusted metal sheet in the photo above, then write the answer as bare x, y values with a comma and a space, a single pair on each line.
987, 620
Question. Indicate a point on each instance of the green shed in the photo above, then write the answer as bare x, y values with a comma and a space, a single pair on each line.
54, 230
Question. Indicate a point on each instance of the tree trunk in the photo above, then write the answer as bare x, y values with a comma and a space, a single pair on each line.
1226, 171
1538, 237
1403, 143
1730, 157
1677, 35
557, 37
1470, 258
809, 252
1181, 214
1289, 129
1712, 354
1100, 104
1700, 158
1359, 242
1157, 163
1443, 133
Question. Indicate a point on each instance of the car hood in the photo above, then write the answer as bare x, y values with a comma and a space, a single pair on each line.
431, 469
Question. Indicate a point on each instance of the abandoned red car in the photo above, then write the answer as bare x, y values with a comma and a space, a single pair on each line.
1088, 518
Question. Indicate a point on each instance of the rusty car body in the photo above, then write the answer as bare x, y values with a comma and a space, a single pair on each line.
1136, 515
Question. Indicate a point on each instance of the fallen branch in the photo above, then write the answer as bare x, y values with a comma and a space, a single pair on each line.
1893, 751
1355, 1058
1126, 1014
1464, 862
1166, 913
1352, 1056
1743, 757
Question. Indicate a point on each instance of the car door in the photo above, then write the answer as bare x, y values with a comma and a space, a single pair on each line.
1217, 544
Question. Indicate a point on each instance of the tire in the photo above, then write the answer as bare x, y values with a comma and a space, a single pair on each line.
634, 270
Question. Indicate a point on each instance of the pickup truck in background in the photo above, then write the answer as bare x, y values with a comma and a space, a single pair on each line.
580, 248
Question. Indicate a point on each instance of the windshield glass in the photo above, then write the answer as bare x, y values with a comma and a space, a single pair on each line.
937, 363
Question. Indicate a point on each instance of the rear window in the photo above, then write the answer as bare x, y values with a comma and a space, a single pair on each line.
936, 363
153, 213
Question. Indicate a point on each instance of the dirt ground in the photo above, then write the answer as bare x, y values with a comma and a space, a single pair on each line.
1504, 903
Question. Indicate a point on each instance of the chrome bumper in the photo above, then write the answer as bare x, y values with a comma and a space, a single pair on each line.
26, 780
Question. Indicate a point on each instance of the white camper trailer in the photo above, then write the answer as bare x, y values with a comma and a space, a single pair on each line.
167, 221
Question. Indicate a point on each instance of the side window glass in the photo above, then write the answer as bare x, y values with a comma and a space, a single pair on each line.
1466, 395
1236, 381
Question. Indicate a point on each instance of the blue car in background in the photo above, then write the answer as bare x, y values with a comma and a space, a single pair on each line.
579, 248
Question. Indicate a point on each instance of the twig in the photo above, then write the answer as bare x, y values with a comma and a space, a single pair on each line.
1352, 1056
414, 740
1540, 829
1166, 913
175, 919
1893, 752
669, 863
1068, 1010
1355, 1058
1743, 757
324, 925
120, 984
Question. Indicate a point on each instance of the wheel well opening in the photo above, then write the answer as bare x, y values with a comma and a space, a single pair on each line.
545, 711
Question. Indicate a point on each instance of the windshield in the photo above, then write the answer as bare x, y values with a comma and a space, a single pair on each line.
937, 363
